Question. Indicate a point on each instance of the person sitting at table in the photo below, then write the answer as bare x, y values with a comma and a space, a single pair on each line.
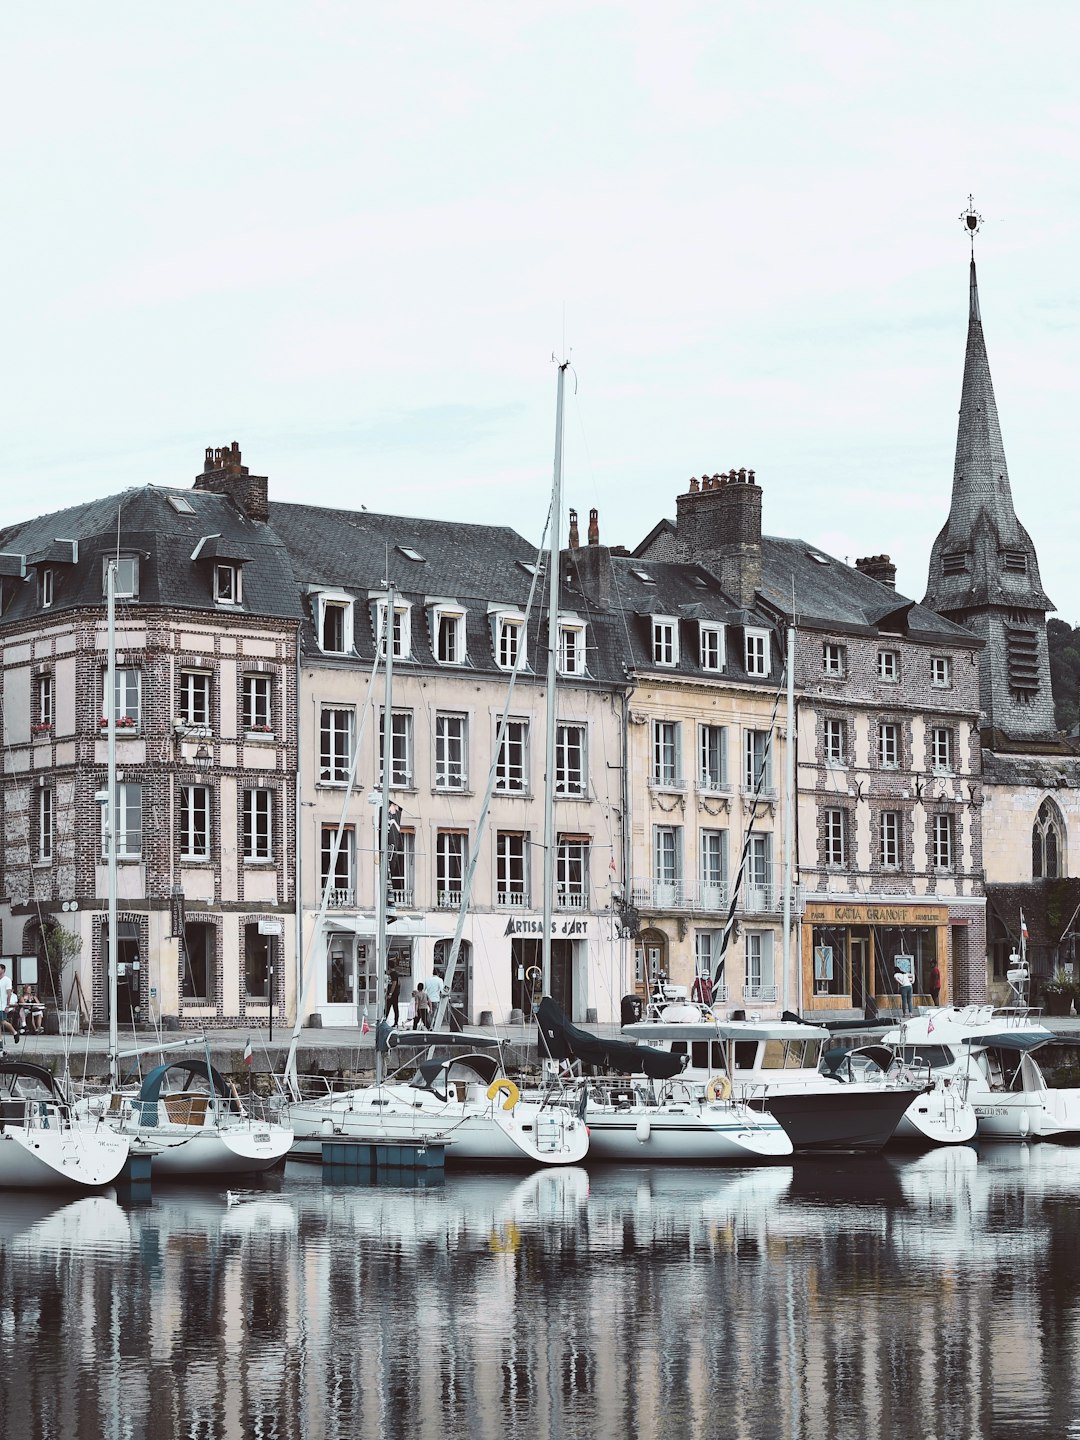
31, 1008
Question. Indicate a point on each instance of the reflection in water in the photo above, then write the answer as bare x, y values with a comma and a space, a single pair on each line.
921, 1296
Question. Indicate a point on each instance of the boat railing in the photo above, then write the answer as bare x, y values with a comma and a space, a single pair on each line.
27, 1113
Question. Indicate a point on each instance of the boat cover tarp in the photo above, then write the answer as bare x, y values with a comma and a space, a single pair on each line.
1009, 1040
561, 1040
150, 1089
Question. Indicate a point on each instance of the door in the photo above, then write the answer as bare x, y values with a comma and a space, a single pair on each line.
860, 969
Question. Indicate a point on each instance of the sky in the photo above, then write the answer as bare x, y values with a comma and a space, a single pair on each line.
352, 237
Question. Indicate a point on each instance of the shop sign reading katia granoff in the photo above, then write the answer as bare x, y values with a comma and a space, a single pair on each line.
876, 915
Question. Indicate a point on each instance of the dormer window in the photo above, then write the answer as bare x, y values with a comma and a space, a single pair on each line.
448, 634
757, 652
665, 641
508, 635
47, 587
228, 583
571, 656
334, 623
127, 576
402, 628
713, 648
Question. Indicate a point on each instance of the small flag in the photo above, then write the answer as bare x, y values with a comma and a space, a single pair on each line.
930, 1026
1023, 928
364, 1026
248, 1057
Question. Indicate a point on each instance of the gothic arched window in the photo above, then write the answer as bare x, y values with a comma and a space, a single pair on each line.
1048, 850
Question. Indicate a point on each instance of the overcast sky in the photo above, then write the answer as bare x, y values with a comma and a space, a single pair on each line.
351, 236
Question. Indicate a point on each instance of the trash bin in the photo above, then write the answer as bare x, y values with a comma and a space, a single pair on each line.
631, 1009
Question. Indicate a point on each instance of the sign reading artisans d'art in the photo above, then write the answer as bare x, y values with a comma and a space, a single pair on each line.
876, 915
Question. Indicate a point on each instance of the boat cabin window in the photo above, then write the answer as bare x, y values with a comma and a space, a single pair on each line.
791, 1054
746, 1054
699, 1051
936, 1056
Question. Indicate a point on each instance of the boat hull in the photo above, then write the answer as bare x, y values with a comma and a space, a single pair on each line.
644, 1134
64, 1158
216, 1153
839, 1118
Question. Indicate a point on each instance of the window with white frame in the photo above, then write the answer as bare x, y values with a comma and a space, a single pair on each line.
512, 870
571, 652
667, 754
667, 864
888, 665
46, 700
257, 702
129, 825
512, 765
228, 583
127, 693
665, 641
127, 576
941, 671
707, 954
334, 615
712, 642
338, 872
941, 750
194, 707
571, 746
759, 872
401, 748
45, 825
714, 859
834, 824
835, 742
888, 733
47, 587
402, 869
402, 628
889, 852
757, 651
449, 627
258, 824
757, 760
572, 872
509, 637
712, 757
942, 842
759, 982
451, 862
195, 822
335, 745
451, 752
834, 659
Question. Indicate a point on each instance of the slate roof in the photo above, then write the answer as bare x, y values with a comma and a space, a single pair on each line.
164, 540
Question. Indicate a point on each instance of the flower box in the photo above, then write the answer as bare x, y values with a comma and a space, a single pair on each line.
125, 722
42, 729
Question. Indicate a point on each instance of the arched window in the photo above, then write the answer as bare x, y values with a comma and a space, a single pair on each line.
1048, 848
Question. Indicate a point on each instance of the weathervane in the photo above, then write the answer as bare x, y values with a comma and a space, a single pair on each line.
972, 222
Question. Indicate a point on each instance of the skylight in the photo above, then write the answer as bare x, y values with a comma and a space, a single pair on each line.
410, 553
528, 567
643, 576
821, 559
181, 504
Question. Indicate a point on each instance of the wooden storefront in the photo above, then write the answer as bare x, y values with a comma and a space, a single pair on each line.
849, 953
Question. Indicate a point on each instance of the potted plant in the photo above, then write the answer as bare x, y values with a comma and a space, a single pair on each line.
1058, 992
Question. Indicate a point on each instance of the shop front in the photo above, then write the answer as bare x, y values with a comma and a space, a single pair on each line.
851, 954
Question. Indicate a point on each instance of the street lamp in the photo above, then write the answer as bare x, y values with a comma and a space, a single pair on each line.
202, 760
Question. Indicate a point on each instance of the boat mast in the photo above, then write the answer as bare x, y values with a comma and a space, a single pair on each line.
383, 886
110, 814
552, 671
789, 816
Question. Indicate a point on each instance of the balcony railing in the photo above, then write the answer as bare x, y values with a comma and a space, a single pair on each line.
700, 897
448, 900
765, 993
571, 900
512, 900
401, 895
341, 899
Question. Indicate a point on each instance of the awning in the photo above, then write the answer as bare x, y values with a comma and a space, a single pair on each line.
404, 928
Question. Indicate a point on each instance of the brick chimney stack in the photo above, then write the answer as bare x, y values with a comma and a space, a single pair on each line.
718, 525
575, 539
225, 474
594, 526
878, 567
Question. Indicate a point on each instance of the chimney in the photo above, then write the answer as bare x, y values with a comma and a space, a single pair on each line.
878, 567
718, 525
575, 539
225, 474
594, 526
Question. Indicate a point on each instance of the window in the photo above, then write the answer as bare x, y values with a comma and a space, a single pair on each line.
940, 671
335, 624
665, 642
402, 628
401, 750
941, 750
667, 756
512, 767
195, 697
712, 757
667, 865
449, 628
194, 822
258, 824
228, 583
127, 576
942, 842
835, 742
509, 633
198, 981
257, 702
889, 852
1021, 660
571, 655
955, 563
45, 825
451, 861
570, 751
258, 959
888, 740
759, 873
1015, 561
46, 700
714, 847
1048, 843
338, 873
757, 652
757, 760
835, 836
888, 665
48, 588
402, 869
834, 659
335, 746
451, 752
707, 958
572, 872
713, 648
128, 823
758, 982
512, 870
126, 697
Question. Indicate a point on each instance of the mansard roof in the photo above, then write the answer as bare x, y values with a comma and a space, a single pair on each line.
142, 521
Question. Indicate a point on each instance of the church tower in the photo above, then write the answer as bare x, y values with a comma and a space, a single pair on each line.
984, 573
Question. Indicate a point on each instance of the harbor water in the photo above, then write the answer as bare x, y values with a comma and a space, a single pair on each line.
929, 1295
